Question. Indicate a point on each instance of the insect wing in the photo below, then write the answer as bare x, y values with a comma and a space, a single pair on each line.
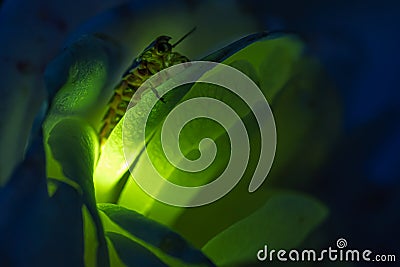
134, 64
138, 59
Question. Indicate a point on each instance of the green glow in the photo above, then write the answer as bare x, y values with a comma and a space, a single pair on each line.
111, 165
250, 60
286, 77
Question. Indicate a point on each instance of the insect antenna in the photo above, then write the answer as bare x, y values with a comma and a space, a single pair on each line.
183, 37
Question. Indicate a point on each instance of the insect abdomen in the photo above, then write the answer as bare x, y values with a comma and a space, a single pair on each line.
116, 109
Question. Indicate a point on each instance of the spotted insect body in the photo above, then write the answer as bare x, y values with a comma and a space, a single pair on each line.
156, 57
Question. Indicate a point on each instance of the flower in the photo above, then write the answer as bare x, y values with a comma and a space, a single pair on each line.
138, 229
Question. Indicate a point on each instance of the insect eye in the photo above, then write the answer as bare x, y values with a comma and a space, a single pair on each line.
163, 47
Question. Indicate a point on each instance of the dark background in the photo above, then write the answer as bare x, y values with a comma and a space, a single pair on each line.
357, 42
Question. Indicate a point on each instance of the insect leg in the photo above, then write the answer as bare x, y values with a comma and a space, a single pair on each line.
153, 89
158, 79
